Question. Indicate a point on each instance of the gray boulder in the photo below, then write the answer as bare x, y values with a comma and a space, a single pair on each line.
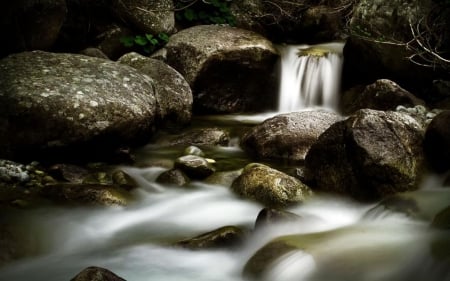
173, 177
202, 137
384, 94
369, 155
287, 136
64, 102
270, 187
94, 273
229, 69
148, 16
172, 92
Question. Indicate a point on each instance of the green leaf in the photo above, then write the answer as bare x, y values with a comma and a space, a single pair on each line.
154, 41
140, 40
190, 14
164, 37
127, 41
149, 36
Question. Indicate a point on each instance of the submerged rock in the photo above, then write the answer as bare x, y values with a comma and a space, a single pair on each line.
229, 69
173, 177
94, 273
270, 187
267, 217
287, 136
68, 104
368, 156
224, 237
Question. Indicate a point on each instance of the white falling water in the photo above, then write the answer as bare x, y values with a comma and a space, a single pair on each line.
310, 76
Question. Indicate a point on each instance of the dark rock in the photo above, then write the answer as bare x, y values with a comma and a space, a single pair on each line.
267, 217
147, 16
228, 69
287, 136
195, 167
442, 219
224, 237
30, 25
94, 273
437, 142
109, 41
173, 177
71, 105
202, 137
94, 52
369, 155
270, 187
123, 180
68, 172
91, 194
381, 95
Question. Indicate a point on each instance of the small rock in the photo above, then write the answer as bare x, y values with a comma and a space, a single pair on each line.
174, 177
224, 237
195, 167
94, 273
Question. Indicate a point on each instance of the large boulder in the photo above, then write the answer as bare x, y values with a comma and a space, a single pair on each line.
148, 16
172, 92
437, 142
94, 273
383, 94
270, 187
73, 104
369, 155
30, 24
287, 136
229, 69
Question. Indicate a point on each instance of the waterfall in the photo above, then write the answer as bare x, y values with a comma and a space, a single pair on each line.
310, 76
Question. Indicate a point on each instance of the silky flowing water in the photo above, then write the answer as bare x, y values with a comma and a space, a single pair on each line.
349, 240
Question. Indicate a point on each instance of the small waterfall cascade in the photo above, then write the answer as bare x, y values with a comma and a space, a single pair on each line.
310, 76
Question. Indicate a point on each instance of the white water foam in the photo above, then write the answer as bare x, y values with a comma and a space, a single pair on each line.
310, 80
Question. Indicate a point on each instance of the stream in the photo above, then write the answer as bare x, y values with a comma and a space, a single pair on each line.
354, 241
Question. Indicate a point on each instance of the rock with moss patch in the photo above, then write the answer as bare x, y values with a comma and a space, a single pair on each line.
195, 167
173, 177
270, 187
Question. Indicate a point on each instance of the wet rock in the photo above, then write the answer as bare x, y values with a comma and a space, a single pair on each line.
442, 219
224, 237
369, 155
270, 187
202, 137
68, 173
384, 95
71, 105
90, 194
224, 178
172, 92
228, 69
30, 25
123, 180
268, 216
287, 136
437, 142
193, 150
108, 41
195, 167
173, 177
94, 273
148, 16
13, 172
